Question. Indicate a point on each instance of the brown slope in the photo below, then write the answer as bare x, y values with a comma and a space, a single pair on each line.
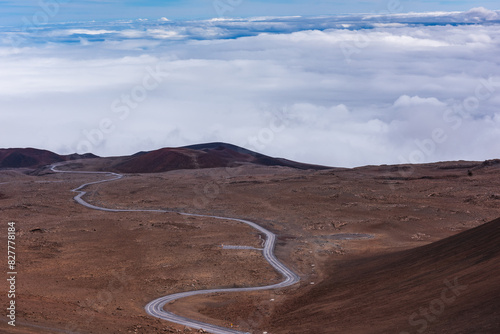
162, 160
168, 159
258, 158
33, 158
211, 155
27, 157
407, 292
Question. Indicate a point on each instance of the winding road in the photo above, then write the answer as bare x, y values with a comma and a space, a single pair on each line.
156, 307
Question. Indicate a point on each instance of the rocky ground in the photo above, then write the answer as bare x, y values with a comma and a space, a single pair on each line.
88, 271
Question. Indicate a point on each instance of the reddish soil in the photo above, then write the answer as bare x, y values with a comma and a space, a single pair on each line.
30, 157
93, 272
159, 161
27, 157
211, 155
450, 286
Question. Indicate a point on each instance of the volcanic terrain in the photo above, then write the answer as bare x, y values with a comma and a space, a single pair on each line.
380, 249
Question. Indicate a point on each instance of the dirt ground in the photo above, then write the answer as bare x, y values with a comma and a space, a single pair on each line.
88, 271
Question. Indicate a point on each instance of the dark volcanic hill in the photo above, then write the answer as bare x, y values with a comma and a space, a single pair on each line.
450, 286
32, 158
209, 155
27, 157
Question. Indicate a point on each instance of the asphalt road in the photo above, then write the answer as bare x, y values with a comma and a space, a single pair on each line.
156, 307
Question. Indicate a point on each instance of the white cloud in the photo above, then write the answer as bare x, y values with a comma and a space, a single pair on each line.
406, 101
480, 14
344, 97
70, 32
162, 33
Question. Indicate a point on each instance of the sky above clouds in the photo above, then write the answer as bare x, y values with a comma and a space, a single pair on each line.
386, 86
13, 11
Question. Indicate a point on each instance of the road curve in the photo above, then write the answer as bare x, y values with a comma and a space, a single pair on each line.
156, 307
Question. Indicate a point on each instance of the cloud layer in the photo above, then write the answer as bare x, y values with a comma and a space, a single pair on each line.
340, 91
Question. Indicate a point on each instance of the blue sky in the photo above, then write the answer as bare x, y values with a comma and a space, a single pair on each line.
13, 12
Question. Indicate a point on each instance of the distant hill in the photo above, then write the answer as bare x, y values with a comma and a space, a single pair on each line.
210, 155
33, 158
450, 286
